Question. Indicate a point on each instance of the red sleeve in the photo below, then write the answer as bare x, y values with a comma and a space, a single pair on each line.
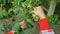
43, 24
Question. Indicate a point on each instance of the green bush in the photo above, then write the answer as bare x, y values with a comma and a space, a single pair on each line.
54, 19
20, 9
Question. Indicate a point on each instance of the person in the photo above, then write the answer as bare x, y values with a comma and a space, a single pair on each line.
43, 22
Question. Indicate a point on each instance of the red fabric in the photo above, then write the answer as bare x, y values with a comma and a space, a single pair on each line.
43, 23
10, 32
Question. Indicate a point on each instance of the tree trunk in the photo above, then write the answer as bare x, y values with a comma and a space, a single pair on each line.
51, 8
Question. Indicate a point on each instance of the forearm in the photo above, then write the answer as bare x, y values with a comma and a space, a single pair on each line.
43, 22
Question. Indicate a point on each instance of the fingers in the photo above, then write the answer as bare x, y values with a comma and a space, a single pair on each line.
38, 9
33, 12
23, 24
39, 12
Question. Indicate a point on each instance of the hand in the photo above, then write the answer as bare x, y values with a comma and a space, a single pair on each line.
39, 12
23, 24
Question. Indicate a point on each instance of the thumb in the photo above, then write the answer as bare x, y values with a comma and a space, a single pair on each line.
33, 12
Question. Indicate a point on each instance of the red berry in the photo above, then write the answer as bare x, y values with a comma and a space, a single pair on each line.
10, 32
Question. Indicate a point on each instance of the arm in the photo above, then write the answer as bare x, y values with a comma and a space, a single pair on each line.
43, 21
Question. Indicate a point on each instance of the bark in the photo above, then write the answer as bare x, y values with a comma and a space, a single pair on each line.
51, 8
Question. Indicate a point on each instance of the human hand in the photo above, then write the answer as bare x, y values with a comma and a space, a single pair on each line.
23, 24
39, 12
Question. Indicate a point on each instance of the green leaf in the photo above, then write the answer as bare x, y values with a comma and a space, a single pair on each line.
25, 32
1, 26
4, 2
16, 26
10, 10
2, 14
29, 23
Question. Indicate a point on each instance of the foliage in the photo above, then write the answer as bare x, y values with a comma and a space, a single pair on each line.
20, 9
1, 26
54, 19
2, 13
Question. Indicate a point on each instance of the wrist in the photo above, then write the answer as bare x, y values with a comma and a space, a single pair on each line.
42, 17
